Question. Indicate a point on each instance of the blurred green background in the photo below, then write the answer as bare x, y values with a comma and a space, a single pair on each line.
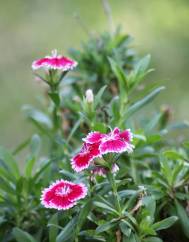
32, 28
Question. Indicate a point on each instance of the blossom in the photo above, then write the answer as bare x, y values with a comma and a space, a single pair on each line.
56, 62
63, 194
102, 171
89, 96
97, 144
87, 153
113, 142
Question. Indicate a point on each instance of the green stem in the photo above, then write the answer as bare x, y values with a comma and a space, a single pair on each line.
54, 90
134, 171
76, 239
114, 189
55, 118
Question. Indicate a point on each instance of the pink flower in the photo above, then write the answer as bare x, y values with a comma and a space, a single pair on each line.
97, 144
56, 62
87, 153
113, 142
63, 194
102, 171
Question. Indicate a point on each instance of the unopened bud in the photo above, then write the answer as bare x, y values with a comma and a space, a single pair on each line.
166, 116
89, 96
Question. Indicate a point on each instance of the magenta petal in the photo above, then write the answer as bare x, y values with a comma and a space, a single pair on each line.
82, 160
113, 146
116, 131
93, 137
61, 62
93, 149
39, 63
126, 135
79, 192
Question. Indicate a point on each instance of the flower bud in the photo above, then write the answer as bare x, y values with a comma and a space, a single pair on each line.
166, 116
89, 96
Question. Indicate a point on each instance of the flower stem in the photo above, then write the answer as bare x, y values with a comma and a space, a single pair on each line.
134, 171
76, 239
54, 96
114, 189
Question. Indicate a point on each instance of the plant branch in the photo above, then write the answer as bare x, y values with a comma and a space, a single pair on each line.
114, 189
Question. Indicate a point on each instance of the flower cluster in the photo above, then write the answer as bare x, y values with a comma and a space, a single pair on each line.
97, 144
64, 194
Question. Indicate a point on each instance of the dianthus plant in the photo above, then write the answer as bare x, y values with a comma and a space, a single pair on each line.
99, 168
100, 206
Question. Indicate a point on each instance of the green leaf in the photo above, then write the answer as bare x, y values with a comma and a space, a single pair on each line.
131, 218
139, 137
153, 138
178, 126
141, 103
68, 175
142, 64
29, 166
106, 226
7, 186
132, 238
121, 77
150, 204
186, 144
90, 235
22, 236
183, 218
73, 130
114, 107
173, 155
53, 230
55, 98
152, 239
68, 231
83, 215
2, 220
41, 170
35, 144
37, 116
98, 96
127, 193
125, 229
105, 206
9, 162
21, 146
182, 196
139, 71
131, 202
100, 126
5, 173
165, 223
153, 122
176, 172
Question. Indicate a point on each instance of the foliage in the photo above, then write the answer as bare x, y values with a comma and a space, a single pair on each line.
143, 200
